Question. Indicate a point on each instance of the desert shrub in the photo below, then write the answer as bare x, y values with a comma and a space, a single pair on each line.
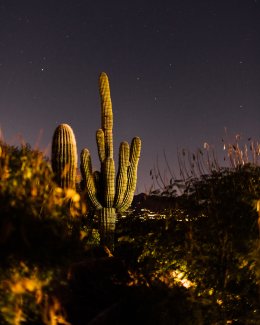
30, 295
207, 243
41, 228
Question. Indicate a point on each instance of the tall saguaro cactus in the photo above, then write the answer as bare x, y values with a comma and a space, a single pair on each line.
64, 156
108, 194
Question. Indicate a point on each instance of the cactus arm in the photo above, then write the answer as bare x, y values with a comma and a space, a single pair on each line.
100, 138
98, 184
64, 156
105, 142
121, 181
107, 115
132, 174
86, 170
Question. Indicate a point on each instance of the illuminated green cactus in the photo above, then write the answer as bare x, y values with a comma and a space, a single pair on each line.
109, 195
64, 156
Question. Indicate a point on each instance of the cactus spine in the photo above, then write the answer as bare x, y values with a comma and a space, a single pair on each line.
108, 195
64, 156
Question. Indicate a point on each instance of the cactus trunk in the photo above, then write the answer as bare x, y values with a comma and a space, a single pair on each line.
64, 156
107, 222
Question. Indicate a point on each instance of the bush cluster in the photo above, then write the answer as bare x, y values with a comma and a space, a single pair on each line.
197, 265
40, 236
208, 243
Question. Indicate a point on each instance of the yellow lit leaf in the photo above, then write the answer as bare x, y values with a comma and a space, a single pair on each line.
83, 234
34, 191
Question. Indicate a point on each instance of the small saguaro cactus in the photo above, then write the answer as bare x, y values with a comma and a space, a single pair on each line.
64, 156
108, 195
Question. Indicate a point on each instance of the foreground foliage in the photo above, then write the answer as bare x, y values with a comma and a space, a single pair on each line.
39, 236
208, 242
197, 264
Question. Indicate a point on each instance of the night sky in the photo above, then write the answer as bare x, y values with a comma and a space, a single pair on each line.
180, 72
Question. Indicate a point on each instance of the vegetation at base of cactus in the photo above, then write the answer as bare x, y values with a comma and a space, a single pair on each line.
207, 242
39, 237
108, 194
64, 156
27, 296
197, 263
33, 213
